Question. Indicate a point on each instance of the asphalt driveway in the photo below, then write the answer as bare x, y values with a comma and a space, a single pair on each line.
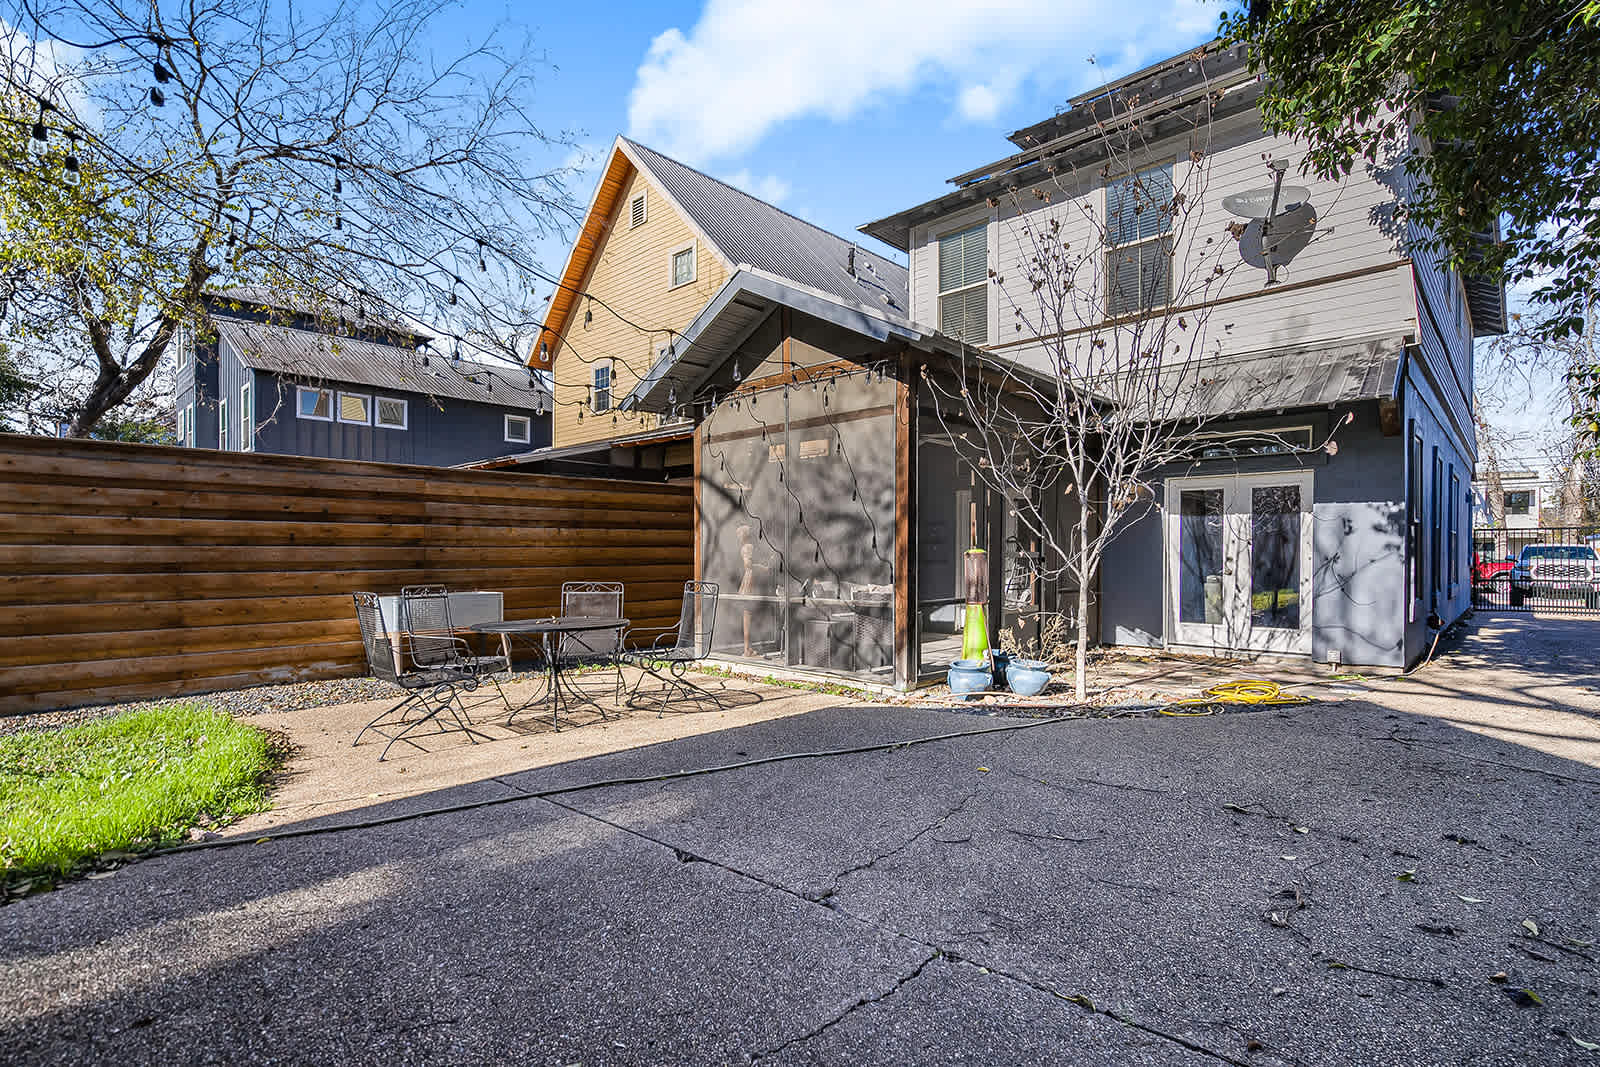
1350, 883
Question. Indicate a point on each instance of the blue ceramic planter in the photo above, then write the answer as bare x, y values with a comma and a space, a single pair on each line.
969, 676
1000, 661
1027, 677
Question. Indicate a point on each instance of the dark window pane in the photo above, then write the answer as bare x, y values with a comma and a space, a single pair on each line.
1200, 556
1275, 557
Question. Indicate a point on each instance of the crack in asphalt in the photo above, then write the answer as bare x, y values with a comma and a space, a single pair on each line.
938, 823
818, 1031
935, 950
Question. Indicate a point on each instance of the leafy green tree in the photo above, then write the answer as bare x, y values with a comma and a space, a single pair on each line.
156, 151
1503, 100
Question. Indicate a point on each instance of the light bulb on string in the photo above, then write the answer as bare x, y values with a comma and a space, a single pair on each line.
157, 97
455, 281
736, 375
481, 264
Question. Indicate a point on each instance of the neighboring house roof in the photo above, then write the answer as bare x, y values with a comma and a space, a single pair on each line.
325, 357
1284, 379
743, 302
740, 229
751, 232
329, 308
659, 435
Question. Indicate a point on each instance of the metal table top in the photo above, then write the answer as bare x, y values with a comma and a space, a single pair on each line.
557, 625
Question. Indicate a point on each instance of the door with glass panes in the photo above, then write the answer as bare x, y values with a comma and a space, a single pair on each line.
1239, 562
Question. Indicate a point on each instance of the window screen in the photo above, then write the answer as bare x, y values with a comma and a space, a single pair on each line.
1138, 228
963, 284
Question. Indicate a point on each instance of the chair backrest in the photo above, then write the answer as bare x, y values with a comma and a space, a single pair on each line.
698, 619
425, 614
380, 650
596, 600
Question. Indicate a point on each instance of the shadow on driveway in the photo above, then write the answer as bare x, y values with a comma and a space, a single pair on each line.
1333, 883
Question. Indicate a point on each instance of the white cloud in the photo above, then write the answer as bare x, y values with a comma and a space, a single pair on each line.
748, 65
768, 187
980, 103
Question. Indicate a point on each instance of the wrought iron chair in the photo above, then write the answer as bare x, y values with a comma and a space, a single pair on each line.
668, 657
432, 691
593, 648
432, 640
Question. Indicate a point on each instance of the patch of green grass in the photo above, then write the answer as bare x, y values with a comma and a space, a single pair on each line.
134, 780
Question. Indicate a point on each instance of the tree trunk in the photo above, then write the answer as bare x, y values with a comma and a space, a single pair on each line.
1080, 666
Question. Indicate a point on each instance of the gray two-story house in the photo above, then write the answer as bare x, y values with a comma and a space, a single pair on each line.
1265, 543
263, 378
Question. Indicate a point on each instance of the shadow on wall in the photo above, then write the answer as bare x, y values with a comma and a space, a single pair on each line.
1358, 576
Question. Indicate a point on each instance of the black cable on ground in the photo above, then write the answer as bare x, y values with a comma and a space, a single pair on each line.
668, 776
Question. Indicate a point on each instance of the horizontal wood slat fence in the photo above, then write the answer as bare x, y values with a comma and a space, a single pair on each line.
130, 572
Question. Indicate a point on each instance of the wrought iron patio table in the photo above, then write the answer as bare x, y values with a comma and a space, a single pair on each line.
557, 692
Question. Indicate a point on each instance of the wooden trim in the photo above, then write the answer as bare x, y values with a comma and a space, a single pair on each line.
1359, 272
905, 519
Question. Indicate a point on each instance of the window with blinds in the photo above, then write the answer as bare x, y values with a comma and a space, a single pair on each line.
1139, 231
964, 284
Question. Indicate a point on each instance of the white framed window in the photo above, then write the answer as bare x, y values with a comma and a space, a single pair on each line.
392, 412
314, 403
1139, 232
600, 395
519, 429
355, 408
247, 417
636, 210
222, 424
188, 425
964, 284
185, 342
681, 266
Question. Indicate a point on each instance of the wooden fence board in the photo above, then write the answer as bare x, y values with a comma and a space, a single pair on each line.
136, 572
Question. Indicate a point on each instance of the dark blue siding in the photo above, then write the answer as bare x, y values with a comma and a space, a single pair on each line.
440, 431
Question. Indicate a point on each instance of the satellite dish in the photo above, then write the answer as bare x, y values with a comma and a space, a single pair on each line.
1257, 203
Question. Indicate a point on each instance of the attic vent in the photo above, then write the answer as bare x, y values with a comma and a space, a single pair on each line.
636, 211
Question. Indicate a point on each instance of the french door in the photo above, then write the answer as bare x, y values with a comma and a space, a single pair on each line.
1239, 562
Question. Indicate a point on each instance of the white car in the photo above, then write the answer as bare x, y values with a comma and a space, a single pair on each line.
1566, 571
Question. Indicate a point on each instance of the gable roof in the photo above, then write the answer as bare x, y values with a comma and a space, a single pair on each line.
323, 357
742, 230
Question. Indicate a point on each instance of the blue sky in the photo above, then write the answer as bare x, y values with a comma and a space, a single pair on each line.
840, 111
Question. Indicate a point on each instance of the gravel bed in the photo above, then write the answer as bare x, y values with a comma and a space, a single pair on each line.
256, 700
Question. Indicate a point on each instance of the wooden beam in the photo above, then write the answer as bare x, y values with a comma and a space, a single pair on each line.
905, 519
694, 509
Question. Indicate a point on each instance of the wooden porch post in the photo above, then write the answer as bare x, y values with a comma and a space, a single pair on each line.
905, 519
694, 509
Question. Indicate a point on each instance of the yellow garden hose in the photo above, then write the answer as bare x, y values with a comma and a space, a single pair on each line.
1244, 691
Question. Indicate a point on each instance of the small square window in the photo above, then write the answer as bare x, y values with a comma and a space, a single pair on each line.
519, 429
636, 211
391, 413
356, 408
683, 265
1518, 502
315, 404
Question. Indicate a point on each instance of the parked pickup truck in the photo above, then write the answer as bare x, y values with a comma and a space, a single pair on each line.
1565, 571
1486, 570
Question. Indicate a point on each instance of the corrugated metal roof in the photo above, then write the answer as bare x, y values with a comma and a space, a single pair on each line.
1297, 378
751, 232
325, 357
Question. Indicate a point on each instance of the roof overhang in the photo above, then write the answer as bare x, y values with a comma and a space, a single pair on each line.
738, 308
1161, 100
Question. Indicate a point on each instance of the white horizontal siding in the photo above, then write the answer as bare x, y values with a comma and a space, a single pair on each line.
1349, 239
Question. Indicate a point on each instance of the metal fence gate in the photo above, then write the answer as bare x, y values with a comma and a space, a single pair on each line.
1545, 569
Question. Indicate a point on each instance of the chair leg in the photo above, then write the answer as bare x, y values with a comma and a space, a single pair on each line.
443, 698
378, 720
